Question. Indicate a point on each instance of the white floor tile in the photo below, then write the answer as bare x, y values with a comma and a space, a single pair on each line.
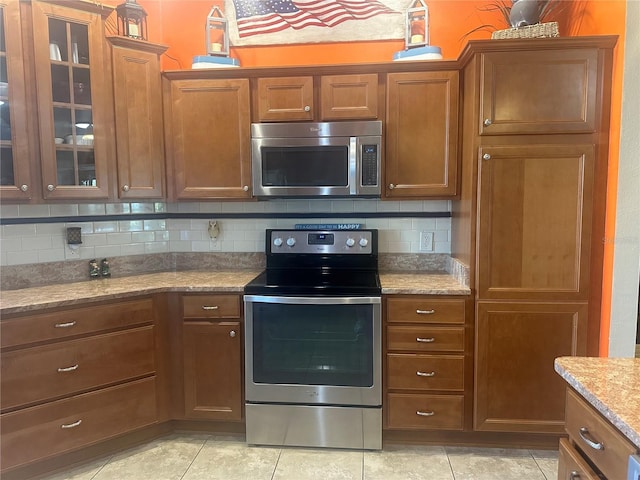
492, 464
320, 464
407, 463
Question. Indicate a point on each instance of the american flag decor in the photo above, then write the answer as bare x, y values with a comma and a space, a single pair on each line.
254, 17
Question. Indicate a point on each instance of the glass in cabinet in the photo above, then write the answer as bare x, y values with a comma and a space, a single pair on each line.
73, 99
15, 158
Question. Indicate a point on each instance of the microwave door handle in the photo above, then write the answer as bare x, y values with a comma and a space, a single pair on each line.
353, 163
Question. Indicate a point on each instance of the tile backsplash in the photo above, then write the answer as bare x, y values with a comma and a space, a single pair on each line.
44, 240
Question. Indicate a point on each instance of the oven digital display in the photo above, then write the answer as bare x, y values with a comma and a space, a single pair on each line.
320, 239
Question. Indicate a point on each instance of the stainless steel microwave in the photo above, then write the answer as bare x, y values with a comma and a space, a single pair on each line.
340, 159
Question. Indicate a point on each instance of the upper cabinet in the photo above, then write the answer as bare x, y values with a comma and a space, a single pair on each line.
317, 98
522, 93
207, 131
285, 99
74, 99
422, 135
15, 155
349, 97
138, 111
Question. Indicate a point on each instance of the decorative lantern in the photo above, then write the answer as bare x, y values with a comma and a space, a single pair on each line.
132, 20
217, 33
417, 25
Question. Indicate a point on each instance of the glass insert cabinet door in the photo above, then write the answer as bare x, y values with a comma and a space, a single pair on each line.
15, 168
73, 101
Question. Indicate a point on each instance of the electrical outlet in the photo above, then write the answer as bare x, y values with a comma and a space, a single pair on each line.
426, 241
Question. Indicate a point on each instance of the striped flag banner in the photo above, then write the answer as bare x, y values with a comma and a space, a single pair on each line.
255, 17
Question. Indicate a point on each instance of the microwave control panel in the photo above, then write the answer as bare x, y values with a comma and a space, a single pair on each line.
369, 165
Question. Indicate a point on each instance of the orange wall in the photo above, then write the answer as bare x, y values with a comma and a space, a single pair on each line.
180, 24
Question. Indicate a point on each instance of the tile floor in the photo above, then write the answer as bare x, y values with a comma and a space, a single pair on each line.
201, 456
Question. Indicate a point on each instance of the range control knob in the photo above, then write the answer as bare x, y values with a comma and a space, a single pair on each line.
291, 241
277, 242
363, 242
350, 242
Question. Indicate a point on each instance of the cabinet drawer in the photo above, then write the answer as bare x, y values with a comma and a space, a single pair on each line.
425, 338
425, 411
77, 321
211, 306
610, 460
425, 372
39, 432
41, 373
424, 310
571, 465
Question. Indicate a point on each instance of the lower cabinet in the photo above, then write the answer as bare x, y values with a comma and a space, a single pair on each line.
516, 388
212, 356
425, 363
595, 448
74, 377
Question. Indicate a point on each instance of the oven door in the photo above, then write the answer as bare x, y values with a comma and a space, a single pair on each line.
313, 350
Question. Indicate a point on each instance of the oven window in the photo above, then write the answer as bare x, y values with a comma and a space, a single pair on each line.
313, 344
317, 166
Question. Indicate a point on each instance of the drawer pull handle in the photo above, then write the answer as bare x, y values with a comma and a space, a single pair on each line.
584, 431
65, 325
425, 340
425, 414
425, 312
71, 425
210, 307
68, 369
425, 374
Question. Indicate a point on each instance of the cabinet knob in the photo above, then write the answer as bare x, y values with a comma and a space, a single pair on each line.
391, 186
307, 108
487, 122
486, 156
574, 475
24, 187
232, 333
50, 187
125, 188
245, 188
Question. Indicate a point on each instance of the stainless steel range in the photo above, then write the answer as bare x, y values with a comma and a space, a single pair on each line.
313, 341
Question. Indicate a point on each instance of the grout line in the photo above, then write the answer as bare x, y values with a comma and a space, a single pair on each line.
195, 456
275, 467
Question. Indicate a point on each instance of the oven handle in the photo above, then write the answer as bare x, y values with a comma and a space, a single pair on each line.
313, 300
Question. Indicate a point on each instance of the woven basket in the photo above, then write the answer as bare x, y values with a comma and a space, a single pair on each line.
539, 30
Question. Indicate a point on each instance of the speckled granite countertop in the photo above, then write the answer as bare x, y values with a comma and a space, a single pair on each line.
29, 299
421, 283
611, 385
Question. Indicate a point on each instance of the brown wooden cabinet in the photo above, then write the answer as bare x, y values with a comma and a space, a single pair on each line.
320, 98
17, 180
74, 99
516, 388
74, 377
536, 204
539, 91
212, 355
424, 363
531, 218
349, 97
207, 132
595, 448
421, 135
138, 118
286, 99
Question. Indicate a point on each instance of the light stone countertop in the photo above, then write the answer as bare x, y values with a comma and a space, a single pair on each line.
611, 385
421, 283
36, 298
